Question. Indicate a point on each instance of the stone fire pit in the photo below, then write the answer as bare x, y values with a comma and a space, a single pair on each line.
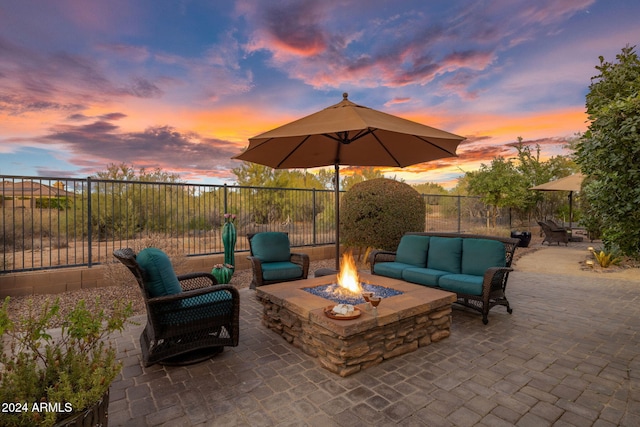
416, 318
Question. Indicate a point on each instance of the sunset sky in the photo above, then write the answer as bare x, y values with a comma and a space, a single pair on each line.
182, 85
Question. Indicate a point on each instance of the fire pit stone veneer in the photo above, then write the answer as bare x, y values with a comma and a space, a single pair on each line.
416, 318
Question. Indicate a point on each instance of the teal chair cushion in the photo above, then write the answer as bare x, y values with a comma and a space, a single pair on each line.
199, 307
161, 280
271, 246
423, 276
413, 250
445, 254
480, 254
281, 271
390, 269
461, 283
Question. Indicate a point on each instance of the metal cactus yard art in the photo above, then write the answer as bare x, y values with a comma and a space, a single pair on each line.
223, 272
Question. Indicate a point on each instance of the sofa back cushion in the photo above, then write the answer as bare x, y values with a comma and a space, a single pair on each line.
160, 278
413, 250
271, 246
445, 254
480, 254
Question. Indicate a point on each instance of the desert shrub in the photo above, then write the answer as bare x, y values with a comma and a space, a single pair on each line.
377, 212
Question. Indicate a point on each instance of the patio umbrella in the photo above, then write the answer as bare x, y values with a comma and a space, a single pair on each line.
569, 183
349, 134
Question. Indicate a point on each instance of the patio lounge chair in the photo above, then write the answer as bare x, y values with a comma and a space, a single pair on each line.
189, 317
272, 260
554, 235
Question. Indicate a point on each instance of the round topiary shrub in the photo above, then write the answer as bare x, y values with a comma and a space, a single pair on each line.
376, 213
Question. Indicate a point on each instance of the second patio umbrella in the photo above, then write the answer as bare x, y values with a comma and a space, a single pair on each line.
349, 134
569, 183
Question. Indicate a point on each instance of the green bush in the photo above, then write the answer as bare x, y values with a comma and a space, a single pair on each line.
376, 213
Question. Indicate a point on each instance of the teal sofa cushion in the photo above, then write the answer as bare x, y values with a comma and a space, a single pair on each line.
462, 283
281, 271
445, 254
271, 246
413, 250
423, 276
160, 280
480, 254
390, 269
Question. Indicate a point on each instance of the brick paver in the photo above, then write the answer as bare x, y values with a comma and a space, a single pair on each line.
568, 355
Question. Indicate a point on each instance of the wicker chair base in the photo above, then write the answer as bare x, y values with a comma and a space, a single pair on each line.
193, 357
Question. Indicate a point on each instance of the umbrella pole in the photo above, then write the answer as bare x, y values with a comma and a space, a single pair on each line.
337, 202
570, 210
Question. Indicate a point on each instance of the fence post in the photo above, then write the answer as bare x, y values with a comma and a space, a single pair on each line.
314, 212
459, 214
226, 207
89, 225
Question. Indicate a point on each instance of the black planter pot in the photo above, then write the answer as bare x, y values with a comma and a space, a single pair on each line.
95, 416
524, 236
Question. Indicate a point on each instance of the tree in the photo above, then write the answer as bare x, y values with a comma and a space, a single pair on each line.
497, 184
609, 151
124, 172
357, 177
430, 188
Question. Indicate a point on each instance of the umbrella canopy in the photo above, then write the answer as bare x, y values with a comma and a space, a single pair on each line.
349, 134
569, 183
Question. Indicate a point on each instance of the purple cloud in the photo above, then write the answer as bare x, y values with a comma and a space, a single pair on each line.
92, 146
323, 46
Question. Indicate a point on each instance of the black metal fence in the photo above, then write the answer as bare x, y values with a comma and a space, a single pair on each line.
64, 222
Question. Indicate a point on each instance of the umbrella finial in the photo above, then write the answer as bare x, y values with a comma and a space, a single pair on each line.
345, 96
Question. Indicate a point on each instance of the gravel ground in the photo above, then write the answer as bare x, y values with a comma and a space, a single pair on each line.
101, 298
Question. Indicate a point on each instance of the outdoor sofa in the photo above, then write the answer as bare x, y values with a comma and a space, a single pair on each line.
475, 267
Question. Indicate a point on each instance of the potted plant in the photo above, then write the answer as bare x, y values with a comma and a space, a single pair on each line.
56, 369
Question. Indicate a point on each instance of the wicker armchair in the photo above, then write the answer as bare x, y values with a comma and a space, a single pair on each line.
187, 326
272, 260
554, 234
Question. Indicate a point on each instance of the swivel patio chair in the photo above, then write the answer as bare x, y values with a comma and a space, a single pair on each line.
554, 235
272, 260
189, 317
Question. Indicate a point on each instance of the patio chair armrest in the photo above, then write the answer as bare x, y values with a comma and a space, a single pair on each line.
196, 280
302, 260
495, 279
256, 268
381, 256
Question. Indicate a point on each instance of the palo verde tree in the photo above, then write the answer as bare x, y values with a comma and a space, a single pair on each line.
609, 151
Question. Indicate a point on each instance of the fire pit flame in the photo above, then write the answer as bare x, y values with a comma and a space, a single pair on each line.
348, 278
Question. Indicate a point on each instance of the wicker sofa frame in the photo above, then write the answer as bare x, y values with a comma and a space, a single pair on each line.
195, 333
300, 259
494, 281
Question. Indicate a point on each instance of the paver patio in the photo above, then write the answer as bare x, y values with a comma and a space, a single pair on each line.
568, 355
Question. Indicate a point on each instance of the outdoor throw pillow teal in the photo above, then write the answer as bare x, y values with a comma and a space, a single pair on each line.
413, 250
161, 279
445, 254
271, 246
480, 254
